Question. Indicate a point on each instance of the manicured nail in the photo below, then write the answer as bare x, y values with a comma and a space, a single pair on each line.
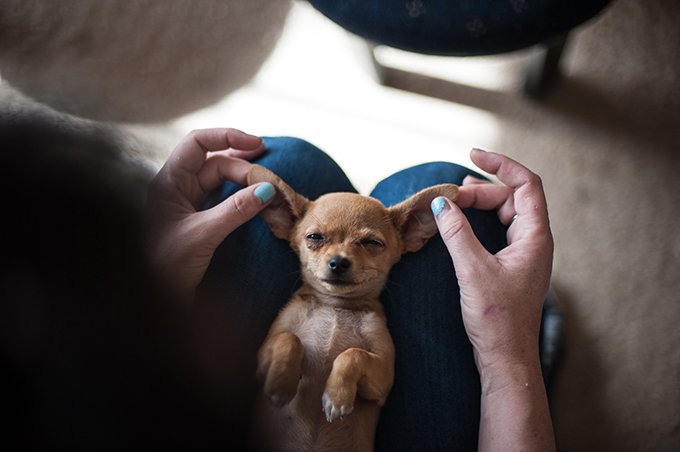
438, 205
265, 192
478, 150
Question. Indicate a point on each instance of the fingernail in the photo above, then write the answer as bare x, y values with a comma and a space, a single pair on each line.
265, 192
438, 205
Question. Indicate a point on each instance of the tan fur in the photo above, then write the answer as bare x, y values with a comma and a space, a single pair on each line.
327, 363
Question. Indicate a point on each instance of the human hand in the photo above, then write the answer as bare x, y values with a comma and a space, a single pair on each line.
183, 239
501, 295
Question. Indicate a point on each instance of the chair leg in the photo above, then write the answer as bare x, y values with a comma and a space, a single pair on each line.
365, 51
543, 67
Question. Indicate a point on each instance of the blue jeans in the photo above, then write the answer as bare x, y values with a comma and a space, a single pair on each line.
435, 401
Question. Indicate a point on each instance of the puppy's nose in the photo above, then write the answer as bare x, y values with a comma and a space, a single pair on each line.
339, 264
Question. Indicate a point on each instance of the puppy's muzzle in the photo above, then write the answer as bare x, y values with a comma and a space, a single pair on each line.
339, 265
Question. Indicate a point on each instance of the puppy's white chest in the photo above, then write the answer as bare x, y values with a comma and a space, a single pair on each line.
326, 332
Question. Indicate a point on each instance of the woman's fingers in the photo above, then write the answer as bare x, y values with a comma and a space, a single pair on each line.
204, 159
466, 251
191, 152
219, 168
222, 219
484, 196
529, 202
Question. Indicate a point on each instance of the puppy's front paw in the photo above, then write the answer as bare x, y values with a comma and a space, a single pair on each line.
338, 402
280, 366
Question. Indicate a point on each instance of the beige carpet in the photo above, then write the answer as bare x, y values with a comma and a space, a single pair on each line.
607, 145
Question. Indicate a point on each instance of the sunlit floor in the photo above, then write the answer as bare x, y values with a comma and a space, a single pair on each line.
317, 85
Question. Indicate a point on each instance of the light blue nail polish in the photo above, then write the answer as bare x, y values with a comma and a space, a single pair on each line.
438, 205
265, 192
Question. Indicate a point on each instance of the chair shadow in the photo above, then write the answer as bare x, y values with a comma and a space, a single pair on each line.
472, 96
569, 98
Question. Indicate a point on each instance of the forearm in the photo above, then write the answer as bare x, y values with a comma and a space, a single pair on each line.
514, 409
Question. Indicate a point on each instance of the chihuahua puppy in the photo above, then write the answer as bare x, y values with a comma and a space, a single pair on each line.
327, 363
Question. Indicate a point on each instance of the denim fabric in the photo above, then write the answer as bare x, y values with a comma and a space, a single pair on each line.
434, 404
459, 27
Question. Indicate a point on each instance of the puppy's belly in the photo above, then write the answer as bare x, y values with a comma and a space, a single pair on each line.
301, 425
296, 427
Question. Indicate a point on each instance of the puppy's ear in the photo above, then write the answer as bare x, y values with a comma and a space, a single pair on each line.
286, 208
414, 218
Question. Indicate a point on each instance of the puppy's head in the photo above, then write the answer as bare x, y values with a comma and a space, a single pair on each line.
346, 242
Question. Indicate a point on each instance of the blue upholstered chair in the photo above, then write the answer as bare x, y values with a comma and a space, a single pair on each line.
468, 27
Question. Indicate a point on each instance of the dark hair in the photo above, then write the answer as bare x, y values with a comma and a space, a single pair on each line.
94, 357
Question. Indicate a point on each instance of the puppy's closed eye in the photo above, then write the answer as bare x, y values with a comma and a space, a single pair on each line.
371, 243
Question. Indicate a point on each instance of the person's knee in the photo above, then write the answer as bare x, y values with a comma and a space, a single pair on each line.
400, 185
305, 167
284, 154
444, 172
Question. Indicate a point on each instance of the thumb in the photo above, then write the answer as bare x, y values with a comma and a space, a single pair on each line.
237, 209
457, 234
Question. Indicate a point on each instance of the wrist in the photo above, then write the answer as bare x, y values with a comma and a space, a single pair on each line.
514, 408
509, 374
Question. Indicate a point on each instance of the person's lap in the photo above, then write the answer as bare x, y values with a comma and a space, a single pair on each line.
434, 404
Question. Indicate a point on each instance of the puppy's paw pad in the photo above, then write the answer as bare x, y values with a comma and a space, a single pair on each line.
333, 411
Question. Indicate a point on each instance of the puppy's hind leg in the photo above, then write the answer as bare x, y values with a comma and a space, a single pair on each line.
280, 366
